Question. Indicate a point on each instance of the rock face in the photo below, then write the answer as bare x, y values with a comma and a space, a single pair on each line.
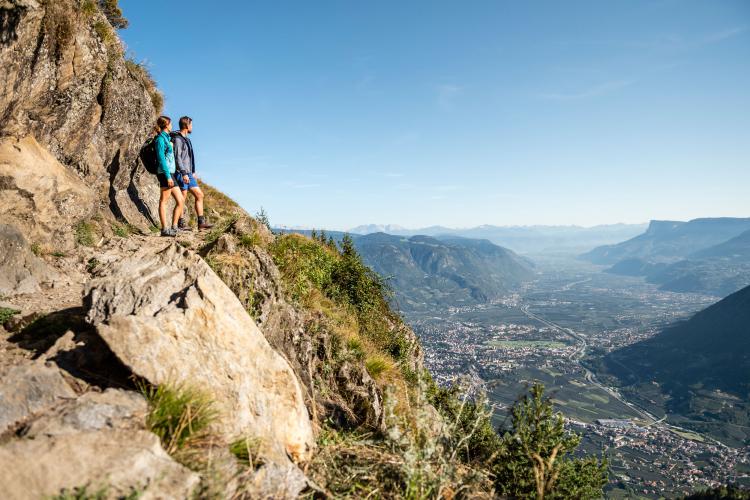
166, 315
118, 461
30, 389
21, 272
65, 82
39, 195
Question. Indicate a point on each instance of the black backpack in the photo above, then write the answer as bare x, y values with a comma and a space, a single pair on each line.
149, 157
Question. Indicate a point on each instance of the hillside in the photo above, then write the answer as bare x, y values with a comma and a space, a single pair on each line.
233, 363
427, 272
668, 241
697, 365
524, 239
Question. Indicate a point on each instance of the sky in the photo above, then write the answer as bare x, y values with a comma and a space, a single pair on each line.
332, 114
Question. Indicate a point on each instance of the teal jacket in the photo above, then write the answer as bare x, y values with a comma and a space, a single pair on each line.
165, 154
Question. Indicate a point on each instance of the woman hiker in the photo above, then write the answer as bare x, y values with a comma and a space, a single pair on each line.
166, 176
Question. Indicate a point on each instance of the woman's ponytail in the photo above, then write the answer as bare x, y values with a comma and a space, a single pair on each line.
161, 124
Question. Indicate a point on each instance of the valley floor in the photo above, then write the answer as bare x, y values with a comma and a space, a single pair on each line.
554, 330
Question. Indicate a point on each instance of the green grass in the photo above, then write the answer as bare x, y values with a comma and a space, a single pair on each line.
247, 451
84, 234
123, 230
221, 227
179, 415
376, 365
104, 32
250, 240
36, 249
6, 314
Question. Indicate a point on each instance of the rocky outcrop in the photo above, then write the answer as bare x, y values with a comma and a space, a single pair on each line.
114, 461
28, 390
166, 315
21, 272
39, 195
65, 82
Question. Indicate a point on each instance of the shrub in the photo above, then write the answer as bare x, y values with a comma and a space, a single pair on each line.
6, 314
179, 415
112, 11
84, 234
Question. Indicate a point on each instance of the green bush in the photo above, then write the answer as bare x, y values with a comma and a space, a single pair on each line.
6, 314
179, 415
304, 265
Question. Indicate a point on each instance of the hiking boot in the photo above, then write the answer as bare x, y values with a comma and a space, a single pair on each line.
172, 232
202, 224
182, 225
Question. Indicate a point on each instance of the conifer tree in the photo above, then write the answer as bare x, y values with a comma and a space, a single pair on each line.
112, 11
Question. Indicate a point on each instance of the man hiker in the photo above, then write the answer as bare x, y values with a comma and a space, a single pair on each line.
185, 163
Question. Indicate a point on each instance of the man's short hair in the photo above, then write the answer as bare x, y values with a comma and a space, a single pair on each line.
185, 122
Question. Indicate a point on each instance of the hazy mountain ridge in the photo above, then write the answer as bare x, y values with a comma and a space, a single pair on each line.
700, 256
524, 239
426, 271
668, 241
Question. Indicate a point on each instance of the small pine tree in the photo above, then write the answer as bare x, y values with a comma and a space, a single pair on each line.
323, 238
314, 235
331, 243
262, 217
534, 459
113, 13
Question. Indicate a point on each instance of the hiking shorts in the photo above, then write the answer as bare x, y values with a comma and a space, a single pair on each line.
163, 180
185, 186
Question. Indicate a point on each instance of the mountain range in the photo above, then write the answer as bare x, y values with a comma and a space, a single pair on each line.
426, 272
700, 366
702, 255
523, 239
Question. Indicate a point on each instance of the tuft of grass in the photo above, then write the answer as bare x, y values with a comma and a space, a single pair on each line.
377, 365
36, 249
141, 73
220, 228
123, 230
58, 254
84, 234
83, 493
354, 345
105, 32
179, 415
250, 240
89, 8
7, 313
247, 451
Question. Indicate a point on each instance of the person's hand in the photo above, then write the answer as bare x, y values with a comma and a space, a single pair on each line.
170, 183
185, 179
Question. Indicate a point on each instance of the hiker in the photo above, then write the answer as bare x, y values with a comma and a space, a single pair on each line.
166, 176
185, 162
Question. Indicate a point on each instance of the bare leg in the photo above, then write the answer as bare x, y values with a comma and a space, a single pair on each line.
165, 192
177, 194
185, 212
198, 195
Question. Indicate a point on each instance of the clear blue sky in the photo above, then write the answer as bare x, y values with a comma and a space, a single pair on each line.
338, 113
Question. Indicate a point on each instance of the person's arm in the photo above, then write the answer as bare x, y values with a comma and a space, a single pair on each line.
161, 146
